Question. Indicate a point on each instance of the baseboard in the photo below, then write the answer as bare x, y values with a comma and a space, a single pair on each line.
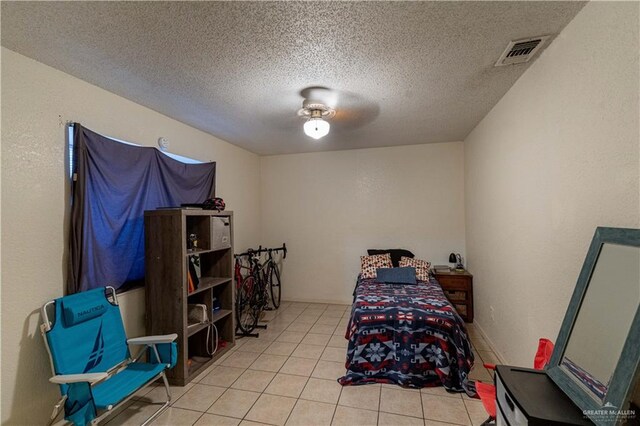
327, 301
498, 354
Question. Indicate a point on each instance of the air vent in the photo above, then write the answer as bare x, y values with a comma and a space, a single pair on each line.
520, 51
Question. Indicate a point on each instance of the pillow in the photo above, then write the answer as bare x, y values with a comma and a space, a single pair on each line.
396, 254
422, 267
82, 307
406, 275
369, 264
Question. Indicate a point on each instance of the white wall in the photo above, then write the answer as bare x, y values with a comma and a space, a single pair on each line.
36, 101
556, 157
330, 207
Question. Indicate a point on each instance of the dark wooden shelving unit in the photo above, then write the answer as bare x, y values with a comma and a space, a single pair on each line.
207, 283
218, 315
166, 291
192, 252
193, 329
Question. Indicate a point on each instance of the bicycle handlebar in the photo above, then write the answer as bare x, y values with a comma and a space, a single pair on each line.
252, 252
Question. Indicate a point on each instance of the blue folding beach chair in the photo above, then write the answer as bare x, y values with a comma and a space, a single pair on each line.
90, 356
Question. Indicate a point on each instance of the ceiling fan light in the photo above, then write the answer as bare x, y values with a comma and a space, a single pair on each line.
316, 128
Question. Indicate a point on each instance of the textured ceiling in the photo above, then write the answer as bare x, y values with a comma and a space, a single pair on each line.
398, 72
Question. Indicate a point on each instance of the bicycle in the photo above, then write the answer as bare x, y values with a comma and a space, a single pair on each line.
268, 275
247, 314
254, 291
272, 275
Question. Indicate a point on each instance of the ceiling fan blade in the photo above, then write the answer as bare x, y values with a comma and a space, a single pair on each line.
351, 110
349, 119
320, 94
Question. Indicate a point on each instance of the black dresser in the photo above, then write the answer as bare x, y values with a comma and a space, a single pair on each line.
529, 397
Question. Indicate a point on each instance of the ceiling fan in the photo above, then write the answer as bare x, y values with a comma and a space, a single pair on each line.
346, 109
316, 115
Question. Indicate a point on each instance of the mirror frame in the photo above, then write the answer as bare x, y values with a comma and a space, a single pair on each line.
626, 371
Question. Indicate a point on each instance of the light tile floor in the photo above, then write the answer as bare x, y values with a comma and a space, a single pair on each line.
288, 375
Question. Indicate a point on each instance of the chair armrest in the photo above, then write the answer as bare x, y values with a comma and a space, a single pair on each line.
78, 378
150, 340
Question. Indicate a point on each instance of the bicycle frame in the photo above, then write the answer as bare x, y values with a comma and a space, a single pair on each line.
237, 273
259, 272
259, 290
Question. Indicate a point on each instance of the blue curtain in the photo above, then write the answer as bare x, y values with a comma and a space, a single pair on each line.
115, 183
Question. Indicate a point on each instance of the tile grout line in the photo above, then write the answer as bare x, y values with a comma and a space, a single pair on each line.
337, 403
424, 415
288, 357
340, 396
238, 378
269, 343
380, 406
261, 393
308, 378
297, 399
197, 420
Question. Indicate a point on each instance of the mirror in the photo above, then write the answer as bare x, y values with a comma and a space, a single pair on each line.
605, 317
596, 360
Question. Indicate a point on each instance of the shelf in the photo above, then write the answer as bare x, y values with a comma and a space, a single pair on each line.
197, 367
167, 271
202, 212
198, 252
219, 314
209, 282
193, 329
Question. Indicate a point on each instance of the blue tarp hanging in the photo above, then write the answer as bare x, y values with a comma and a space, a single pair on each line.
115, 183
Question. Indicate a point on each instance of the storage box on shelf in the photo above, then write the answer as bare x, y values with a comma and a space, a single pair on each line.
167, 292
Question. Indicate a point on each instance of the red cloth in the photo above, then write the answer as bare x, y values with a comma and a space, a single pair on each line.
487, 392
543, 355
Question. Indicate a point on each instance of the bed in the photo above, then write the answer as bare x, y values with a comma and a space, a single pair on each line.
409, 335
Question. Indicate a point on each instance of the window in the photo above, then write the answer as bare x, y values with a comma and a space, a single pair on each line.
177, 157
121, 180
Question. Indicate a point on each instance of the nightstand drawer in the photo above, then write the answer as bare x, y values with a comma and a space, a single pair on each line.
462, 310
456, 296
454, 283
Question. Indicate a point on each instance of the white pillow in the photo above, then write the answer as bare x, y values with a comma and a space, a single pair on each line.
422, 267
369, 264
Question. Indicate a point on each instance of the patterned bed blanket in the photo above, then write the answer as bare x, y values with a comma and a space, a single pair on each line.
407, 334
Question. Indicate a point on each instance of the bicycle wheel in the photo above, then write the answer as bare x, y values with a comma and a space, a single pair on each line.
246, 314
262, 293
274, 284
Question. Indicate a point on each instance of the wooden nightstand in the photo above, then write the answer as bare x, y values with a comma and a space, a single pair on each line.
458, 287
